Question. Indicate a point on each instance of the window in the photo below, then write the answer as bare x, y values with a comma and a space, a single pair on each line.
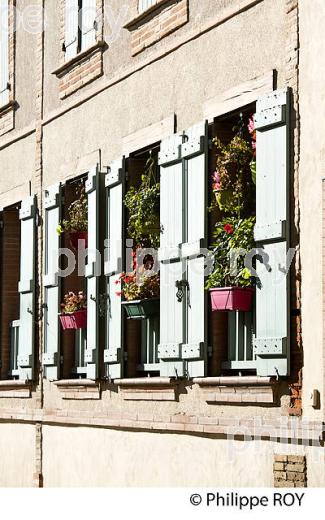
17, 290
80, 26
145, 4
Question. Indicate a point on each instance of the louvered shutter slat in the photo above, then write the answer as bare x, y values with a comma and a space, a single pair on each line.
71, 29
26, 288
88, 23
115, 181
51, 283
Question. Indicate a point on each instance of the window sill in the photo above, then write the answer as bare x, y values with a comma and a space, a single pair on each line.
80, 70
12, 388
156, 22
79, 389
237, 390
7, 115
142, 17
148, 388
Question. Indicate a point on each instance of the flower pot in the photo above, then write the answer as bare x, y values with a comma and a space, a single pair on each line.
141, 309
232, 298
75, 320
75, 236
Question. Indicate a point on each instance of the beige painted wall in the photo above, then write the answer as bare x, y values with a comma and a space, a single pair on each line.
100, 457
17, 455
144, 98
312, 170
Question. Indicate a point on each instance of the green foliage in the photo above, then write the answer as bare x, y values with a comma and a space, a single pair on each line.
143, 204
77, 213
231, 235
234, 187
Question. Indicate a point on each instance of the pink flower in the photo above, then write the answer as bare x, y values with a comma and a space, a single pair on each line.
229, 228
251, 125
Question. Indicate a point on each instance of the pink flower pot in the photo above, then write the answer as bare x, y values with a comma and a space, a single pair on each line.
76, 236
232, 298
75, 320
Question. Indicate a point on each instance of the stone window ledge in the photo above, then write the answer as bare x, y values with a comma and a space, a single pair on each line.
7, 117
234, 381
142, 17
148, 388
65, 67
156, 22
81, 70
238, 390
13, 388
79, 389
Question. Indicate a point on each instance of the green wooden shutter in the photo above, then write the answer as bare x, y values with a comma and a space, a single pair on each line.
114, 182
93, 269
26, 289
71, 29
88, 29
172, 266
195, 155
4, 53
51, 282
271, 344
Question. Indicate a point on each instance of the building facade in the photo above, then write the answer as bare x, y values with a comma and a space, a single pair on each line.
90, 92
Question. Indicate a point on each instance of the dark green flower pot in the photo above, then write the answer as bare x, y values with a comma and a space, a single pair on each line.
141, 309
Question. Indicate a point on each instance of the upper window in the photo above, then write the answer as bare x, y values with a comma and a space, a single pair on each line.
80, 26
145, 4
4, 53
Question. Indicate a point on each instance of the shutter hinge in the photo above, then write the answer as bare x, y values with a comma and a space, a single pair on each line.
210, 144
64, 47
1, 224
125, 356
210, 351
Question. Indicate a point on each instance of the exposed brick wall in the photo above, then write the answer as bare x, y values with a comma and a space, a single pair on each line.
7, 120
162, 19
292, 80
10, 260
290, 471
80, 73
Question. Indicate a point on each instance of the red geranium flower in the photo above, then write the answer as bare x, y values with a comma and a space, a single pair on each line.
229, 228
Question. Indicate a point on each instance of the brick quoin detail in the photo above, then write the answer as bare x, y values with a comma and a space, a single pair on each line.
290, 471
157, 24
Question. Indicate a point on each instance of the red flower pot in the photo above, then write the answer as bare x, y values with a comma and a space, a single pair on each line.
75, 320
232, 298
75, 236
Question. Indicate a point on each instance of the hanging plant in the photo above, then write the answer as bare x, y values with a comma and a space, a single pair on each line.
232, 181
77, 219
74, 311
143, 204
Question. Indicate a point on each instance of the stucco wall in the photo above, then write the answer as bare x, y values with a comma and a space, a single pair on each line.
312, 170
100, 457
144, 98
17, 455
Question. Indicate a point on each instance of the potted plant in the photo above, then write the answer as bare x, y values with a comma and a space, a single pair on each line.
140, 290
232, 182
143, 204
74, 311
231, 287
77, 222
